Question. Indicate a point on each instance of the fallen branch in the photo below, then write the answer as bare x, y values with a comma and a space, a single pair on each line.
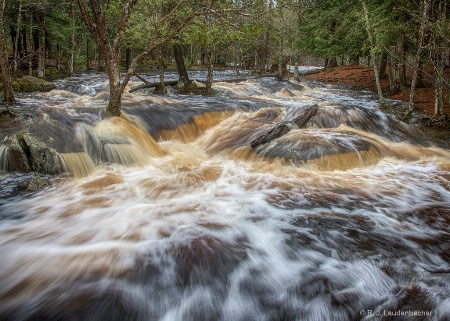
153, 85
175, 82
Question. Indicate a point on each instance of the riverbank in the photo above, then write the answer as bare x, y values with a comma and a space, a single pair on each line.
362, 77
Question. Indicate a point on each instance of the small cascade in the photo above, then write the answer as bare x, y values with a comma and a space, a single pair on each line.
118, 140
200, 123
369, 121
80, 89
4, 156
78, 164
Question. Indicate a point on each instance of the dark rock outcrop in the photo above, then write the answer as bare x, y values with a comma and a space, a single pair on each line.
27, 153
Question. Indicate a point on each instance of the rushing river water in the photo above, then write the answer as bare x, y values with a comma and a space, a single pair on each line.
174, 216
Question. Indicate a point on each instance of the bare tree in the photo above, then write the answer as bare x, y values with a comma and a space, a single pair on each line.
372, 54
425, 5
441, 47
8, 94
109, 47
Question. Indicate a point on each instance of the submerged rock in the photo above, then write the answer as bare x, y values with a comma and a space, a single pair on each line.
286, 93
36, 183
6, 114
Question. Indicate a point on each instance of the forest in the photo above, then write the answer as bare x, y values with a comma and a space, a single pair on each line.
51, 38
235, 160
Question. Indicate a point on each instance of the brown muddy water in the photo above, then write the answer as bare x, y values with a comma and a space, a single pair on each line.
169, 214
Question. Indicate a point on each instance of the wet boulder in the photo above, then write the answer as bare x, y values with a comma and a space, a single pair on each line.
27, 153
286, 92
7, 114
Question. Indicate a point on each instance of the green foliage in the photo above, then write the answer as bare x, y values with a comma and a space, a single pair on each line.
333, 28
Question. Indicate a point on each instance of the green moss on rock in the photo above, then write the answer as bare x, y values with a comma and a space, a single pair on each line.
27, 153
36, 183
31, 84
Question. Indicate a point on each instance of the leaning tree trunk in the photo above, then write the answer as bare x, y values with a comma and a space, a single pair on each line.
425, 6
183, 76
8, 94
372, 53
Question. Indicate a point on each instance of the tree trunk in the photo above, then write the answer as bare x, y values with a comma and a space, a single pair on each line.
440, 63
8, 94
354, 60
400, 68
162, 86
372, 53
296, 72
70, 61
332, 62
183, 77
383, 64
209, 79
80, 41
16, 39
281, 41
41, 51
392, 86
87, 53
115, 90
425, 6
30, 48
59, 53
127, 57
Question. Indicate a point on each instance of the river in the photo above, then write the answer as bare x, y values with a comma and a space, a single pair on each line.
170, 214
